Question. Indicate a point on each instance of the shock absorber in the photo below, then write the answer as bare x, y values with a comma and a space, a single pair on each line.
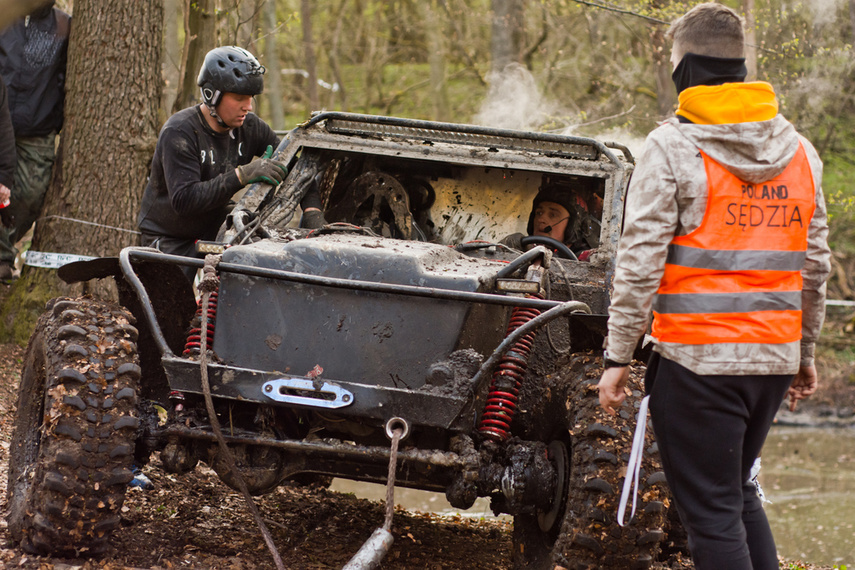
194, 337
505, 385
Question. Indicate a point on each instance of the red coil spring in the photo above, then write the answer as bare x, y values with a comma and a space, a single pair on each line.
505, 387
194, 337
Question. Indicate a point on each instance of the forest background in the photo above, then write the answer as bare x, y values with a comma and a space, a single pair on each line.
580, 67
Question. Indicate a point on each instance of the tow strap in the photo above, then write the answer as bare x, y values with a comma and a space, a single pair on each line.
371, 553
208, 284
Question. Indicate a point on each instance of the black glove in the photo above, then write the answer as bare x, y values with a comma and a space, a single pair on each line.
313, 219
266, 170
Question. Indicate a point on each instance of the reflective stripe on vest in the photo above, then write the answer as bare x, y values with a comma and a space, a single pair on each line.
737, 277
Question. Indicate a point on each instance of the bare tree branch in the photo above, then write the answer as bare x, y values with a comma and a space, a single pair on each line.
621, 11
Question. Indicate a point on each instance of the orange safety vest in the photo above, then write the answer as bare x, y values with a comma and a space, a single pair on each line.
737, 277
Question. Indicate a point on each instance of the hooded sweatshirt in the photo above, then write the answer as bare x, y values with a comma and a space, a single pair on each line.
737, 125
33, 57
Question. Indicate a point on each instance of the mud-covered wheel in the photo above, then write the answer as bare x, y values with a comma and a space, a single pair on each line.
590, 535
535, 534
585, 534
545, 419
72, 449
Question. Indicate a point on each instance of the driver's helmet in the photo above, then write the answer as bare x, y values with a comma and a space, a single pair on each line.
562, 198
229, 69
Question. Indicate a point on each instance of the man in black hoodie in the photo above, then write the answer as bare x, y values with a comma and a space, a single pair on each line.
207, 153
33, 54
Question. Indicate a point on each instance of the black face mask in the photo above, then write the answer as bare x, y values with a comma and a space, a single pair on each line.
694, 70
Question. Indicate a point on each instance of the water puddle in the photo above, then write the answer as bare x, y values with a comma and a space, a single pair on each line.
808, 474
415, 500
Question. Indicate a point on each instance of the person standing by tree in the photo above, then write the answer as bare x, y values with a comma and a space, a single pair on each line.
204, 155
33, 54
725, 240
8, 158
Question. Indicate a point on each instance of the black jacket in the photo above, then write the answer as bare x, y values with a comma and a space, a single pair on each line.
193, 174
33, 54
8, 156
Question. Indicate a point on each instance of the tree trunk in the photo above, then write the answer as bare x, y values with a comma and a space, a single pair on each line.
852, 22
333, 55
273, 78
666, 95
436, 58
309, 51
200, 36
506, 44
239, 22
107, 140
171, 57
750, 40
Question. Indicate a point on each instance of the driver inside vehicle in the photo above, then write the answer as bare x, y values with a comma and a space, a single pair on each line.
563, 216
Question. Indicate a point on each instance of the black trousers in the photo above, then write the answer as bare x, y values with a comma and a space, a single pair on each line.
710, 429
174, 246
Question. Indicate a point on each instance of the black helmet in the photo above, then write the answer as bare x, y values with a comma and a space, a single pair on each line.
229, 69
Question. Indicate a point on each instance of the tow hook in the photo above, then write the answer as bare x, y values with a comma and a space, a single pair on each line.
375, 548
396, 423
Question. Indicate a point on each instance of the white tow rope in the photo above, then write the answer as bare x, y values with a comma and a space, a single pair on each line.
634, 467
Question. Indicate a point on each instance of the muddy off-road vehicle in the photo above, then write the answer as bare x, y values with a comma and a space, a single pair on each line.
403, 315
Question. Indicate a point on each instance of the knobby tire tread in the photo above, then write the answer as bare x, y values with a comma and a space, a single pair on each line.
72, 450
599, 446
591, 536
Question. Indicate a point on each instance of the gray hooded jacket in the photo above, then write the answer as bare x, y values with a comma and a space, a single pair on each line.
668, 197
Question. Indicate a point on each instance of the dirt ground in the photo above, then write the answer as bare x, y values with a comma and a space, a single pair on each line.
194, 521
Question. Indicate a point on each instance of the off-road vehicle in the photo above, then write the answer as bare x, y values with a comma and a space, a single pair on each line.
403, 313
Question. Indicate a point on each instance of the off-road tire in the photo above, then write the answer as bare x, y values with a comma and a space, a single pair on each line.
591, 536
543, 418
72, 449
587, 535
533, 544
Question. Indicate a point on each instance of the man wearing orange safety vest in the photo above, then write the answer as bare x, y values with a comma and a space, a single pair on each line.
725, 243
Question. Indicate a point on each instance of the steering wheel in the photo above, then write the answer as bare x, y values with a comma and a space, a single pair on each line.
551, 243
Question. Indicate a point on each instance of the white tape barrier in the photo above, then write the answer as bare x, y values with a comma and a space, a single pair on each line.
52, 260
842, 303
57, 260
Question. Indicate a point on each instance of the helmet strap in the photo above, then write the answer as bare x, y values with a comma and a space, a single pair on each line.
213, 112
211, 97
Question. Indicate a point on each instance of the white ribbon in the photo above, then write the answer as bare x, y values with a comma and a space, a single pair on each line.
634, 466
52, 260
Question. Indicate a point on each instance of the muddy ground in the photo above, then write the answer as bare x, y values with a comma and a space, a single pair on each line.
194, 521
